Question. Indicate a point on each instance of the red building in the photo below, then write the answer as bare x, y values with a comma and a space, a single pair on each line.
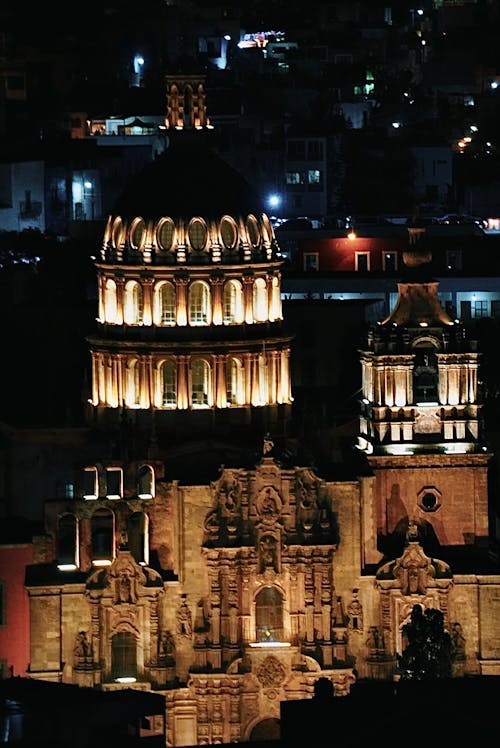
14, 608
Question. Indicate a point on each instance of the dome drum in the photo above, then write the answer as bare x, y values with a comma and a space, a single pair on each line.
165, 241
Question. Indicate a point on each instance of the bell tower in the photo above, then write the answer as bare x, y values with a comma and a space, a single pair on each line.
420, 425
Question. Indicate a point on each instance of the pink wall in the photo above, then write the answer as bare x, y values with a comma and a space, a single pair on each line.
15, 633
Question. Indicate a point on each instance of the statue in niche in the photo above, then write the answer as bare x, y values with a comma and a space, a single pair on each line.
374, 641
268, 444
412, 570
82, 650
268, 553
355, 614
167, 646
123, 584
267, 505
212, 525
229, 497
458, 640
184, 619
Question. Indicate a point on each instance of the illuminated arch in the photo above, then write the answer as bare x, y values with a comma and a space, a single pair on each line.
233, 302
199, 303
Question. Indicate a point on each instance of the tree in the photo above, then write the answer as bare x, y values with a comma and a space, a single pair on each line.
429, 650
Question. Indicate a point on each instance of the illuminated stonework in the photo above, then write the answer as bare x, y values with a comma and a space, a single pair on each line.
189, 306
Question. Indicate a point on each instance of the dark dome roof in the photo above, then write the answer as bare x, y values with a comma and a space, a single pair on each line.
185, 181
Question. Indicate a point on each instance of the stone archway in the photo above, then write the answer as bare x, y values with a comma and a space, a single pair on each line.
267, 729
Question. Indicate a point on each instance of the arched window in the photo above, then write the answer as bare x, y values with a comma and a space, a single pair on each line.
233, 302
235, 384
124, 657
425, 376
263, 388
276, 312
199, 303
269, 615
164, 304
102, 537
67, 543
133, 398
200, 384
145, 482
137, 534
110, 306
168, 384
133, 303
260, 310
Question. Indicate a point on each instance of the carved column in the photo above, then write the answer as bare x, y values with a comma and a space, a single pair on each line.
181, 297
147, 312
217, 308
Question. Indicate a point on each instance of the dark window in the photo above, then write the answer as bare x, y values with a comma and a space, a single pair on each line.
66, 539
123, 656
425, 376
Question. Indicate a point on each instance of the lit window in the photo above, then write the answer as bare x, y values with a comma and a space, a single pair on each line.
233, 302
110, 305
164, 307
200, 384
168, 384
269, 615
199, 303
235, 392
260, 310
133, 398
133, 303
480, 309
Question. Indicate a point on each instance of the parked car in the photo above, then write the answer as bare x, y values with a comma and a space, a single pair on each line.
457, 218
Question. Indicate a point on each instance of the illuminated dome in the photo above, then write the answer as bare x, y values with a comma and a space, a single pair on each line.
189, 207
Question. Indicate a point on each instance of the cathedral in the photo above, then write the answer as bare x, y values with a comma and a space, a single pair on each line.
230, 590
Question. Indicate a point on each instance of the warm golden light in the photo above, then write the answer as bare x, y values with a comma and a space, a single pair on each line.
352, 235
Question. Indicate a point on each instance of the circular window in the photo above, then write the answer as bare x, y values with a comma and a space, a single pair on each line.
165, 234
253, 230
197, 233
228, 233
118, 232
138, 234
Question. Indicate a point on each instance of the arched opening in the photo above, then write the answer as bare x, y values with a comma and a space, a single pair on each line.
425, 376
124, 657
137, 534
267, 729
199, 303
269, 615
67, 542
102, 534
